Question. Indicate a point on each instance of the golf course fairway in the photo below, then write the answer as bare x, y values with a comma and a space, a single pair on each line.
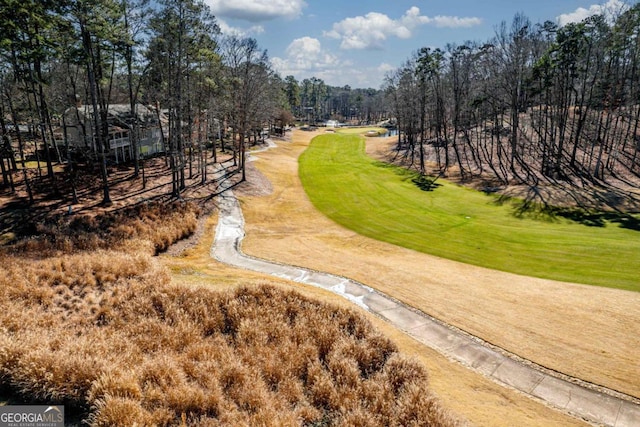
384, 202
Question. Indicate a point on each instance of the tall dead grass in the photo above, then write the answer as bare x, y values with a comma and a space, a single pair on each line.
106, 333
161, 224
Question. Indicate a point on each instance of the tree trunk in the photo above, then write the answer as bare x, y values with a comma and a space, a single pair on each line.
93, 61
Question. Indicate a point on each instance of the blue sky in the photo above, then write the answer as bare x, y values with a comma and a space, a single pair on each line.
355, 42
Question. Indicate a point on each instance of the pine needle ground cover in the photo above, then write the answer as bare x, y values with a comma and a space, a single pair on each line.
93, 322
389, 204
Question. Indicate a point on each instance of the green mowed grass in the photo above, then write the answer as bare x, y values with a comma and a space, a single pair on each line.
383, 202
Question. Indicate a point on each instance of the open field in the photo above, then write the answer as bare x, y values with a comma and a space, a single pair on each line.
584, 331
383, 202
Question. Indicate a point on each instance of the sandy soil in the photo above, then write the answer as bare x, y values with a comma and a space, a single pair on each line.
583, 331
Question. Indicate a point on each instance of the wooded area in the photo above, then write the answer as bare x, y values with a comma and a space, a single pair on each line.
534, 105
87, 85
97, 82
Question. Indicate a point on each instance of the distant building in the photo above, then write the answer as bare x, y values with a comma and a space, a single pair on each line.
78, 128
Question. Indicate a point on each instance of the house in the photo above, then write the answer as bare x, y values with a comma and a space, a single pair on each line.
78, 130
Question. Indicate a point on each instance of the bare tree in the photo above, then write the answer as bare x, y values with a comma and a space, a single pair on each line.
248, 81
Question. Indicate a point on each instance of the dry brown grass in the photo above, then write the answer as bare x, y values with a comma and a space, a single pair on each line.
105, 332
160, 224
468, 394
581, 330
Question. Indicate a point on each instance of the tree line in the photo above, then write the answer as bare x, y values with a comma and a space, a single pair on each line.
313, 101
537, 102
214, 91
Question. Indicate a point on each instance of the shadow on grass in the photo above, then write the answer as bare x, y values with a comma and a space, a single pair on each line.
397, 170
539, 211
598, 219
426, 183
534, 206
423, 182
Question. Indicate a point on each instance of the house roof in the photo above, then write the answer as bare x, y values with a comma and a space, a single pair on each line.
123, 112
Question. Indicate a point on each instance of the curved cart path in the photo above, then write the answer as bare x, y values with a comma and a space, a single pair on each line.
594, 404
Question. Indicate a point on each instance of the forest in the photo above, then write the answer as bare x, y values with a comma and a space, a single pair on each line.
66, 65
538, 106
88, 85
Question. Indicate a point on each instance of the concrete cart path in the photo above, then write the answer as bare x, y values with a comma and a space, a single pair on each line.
574, 396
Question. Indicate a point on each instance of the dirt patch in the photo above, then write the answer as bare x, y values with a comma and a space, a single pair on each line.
257, 183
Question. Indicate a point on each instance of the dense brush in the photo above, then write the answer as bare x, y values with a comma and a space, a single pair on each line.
101, 329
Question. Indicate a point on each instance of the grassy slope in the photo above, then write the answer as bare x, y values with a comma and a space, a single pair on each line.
585, 331
382, 202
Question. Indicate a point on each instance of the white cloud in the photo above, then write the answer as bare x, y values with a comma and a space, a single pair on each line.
369, 31
455, 22
305, 55
306, 58
228, 30
610, 9
385, 68
372, 30
257, 10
